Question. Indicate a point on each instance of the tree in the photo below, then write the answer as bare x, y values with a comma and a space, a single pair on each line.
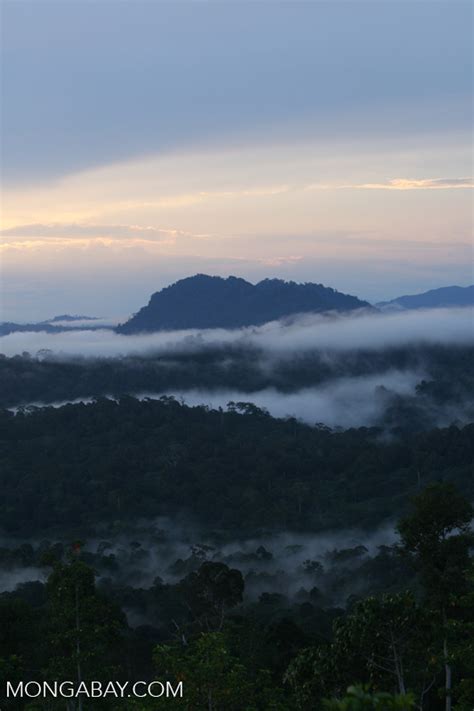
358, 698
310, 676
437, 537
214, 679
210, 591
383, 641
19, 644
393, 635
84, 629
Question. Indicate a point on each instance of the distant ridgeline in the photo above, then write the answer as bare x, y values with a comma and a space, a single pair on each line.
204, 301
446, 296
54, 325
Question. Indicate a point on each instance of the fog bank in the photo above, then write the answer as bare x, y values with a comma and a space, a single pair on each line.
343, 402
321, 332
163, 549
340, 402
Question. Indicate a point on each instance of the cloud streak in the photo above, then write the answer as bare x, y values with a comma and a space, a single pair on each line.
278, 339
76, 230
402, 184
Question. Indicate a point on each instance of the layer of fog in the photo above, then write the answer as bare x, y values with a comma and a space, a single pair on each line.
284, 562
343, 402
85, 323
323, 332
360, 401
281, 563
11, 578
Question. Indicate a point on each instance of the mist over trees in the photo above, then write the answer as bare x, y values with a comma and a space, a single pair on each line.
272, 563
410, 648
293, 633
407, 387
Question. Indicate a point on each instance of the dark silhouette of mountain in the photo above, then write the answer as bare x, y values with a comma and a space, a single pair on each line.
54, 325
7, 327
435, 298
203, 301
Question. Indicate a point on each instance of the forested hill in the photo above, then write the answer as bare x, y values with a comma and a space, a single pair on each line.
447, 296
79, 466
205, 301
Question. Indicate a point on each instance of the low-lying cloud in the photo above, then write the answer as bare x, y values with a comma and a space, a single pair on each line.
311, 332
282, 562
85, 323
343, 402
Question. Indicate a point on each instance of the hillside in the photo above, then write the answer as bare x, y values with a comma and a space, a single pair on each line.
259, 473
435, 298
58, 324
204, 301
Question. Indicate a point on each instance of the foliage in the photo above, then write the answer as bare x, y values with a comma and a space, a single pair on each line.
438, 537
360, 699
84, 630
408, 622
73, 467
215, 679
445, 392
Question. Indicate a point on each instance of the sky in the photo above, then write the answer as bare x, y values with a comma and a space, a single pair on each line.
316, 141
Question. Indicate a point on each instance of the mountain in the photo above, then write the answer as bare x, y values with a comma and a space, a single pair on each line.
435, 298
203, 301
54, 325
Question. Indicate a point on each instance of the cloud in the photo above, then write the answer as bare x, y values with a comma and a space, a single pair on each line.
82, 323
279, 261
344, 402
278, 339
402, 184
195, 198
18, 576
57, 236
77, 230
341, 402
167, 75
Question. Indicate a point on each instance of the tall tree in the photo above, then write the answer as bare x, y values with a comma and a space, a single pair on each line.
85, 629
437, 537
383, 641
209, 592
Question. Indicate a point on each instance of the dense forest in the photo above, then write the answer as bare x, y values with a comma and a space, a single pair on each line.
239, 469
445, 377
405, 636
232, 477
267, 563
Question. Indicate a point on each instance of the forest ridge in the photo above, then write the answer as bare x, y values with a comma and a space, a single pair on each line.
203, 301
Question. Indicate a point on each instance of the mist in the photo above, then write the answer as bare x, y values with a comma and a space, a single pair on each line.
282, 339
287, 563
85, 323
343, 402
